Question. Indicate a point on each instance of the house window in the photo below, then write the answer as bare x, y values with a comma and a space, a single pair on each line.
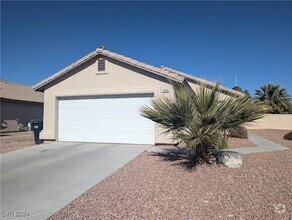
101, 65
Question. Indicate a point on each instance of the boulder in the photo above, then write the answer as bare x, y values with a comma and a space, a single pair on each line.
156, 150
230, 159
170, 149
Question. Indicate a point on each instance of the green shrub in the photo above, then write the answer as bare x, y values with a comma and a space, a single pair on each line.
200, 118
238, 132
288, 136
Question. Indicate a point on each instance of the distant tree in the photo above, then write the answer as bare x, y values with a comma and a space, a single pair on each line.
237, 88
276, 99
290, 105
246, 93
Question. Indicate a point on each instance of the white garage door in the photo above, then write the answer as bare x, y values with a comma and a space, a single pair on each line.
112, 119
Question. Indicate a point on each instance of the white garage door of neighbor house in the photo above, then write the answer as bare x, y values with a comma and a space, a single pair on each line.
111, 119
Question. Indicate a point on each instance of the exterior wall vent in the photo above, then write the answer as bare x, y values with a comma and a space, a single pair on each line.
101, 65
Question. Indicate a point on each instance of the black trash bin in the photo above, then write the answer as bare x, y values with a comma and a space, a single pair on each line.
37, 127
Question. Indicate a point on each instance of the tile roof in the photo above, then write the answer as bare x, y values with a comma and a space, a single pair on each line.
13, 91
163, 71
201, 81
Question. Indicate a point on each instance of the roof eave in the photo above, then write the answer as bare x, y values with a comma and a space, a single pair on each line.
21, 100
40, 86
206, 82
165, 72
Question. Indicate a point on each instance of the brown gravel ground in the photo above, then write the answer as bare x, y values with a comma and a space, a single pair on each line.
273, 135
151, 188
15, 141
238, 142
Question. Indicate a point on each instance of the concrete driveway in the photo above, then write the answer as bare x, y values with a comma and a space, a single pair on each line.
40, 180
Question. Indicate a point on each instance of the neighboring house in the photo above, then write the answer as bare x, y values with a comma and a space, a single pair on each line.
97, 99
19, 105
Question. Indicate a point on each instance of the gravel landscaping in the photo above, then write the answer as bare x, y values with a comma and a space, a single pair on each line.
15, 140
232, 143
238, 142
273, 135
151, 188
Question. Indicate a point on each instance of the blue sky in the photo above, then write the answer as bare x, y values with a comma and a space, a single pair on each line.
211, 40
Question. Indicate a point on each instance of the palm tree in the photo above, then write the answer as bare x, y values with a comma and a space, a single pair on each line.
246, 92
200, 118
275, 98
237, 88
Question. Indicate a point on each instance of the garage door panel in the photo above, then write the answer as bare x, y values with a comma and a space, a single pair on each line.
109, 120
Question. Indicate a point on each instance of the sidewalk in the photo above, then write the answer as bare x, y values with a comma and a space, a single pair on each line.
263, 145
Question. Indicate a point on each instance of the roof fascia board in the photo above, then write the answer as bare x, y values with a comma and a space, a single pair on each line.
79, 62
19, 101
146, 67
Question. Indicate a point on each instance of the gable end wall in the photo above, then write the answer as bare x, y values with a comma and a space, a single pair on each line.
119, 78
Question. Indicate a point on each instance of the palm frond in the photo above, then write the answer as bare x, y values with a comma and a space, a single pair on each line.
201, 118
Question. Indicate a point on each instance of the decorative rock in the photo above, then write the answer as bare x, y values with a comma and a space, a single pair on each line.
230, 159
155, 150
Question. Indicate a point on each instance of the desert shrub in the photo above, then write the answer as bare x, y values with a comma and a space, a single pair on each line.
288, 136
238, 132
200, 118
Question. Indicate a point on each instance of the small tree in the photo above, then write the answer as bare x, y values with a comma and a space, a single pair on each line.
200, 118
276, 99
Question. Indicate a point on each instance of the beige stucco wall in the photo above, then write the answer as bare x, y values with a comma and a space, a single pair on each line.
272, 121
196, 88
119, 79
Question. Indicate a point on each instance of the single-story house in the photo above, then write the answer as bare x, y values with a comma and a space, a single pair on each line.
97, 99
19, 105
